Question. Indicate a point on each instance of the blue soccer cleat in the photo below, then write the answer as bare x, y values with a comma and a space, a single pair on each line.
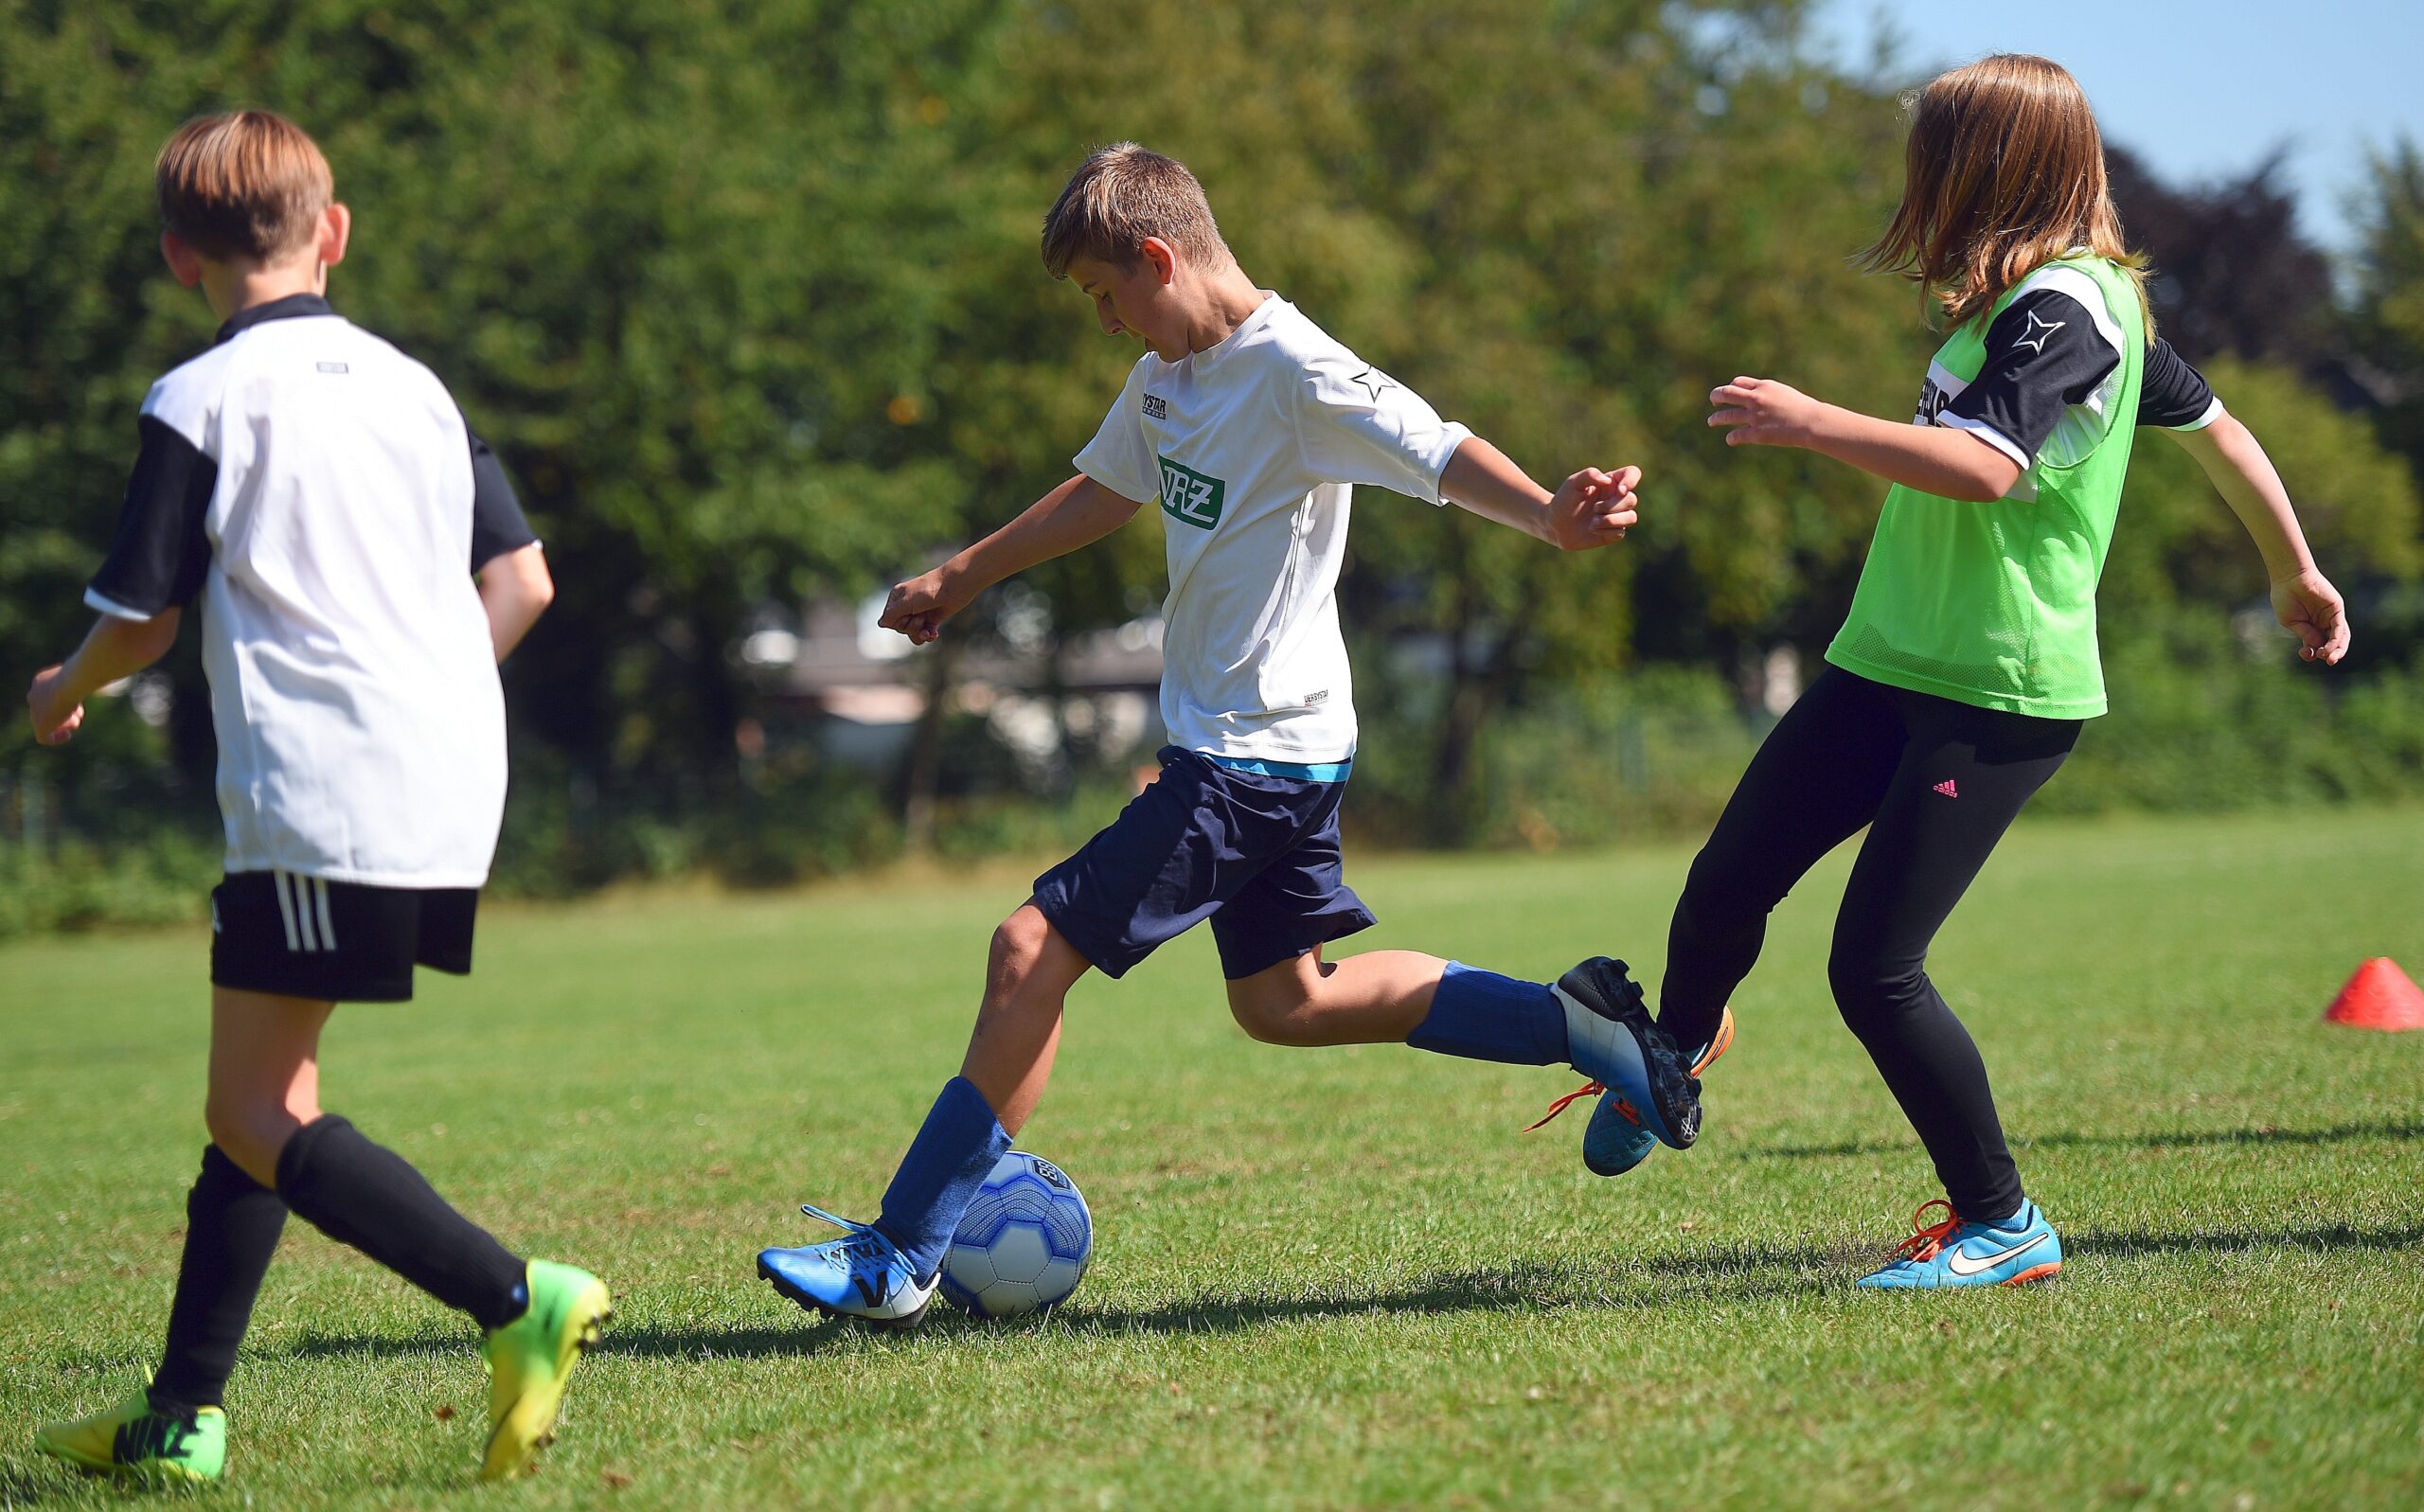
1956, 1252
863, 1274
1647, 1096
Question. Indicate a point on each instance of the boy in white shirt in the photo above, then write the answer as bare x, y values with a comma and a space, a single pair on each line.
318, 493
1249, 425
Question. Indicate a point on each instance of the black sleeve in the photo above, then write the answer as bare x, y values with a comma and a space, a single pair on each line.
160, 554
497, 525
2044, 355
2170, 393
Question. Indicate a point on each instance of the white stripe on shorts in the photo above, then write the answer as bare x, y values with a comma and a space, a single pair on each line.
285, 910
327, 930
303, 911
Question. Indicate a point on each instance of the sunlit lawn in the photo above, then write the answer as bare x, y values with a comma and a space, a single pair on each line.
1321, 1277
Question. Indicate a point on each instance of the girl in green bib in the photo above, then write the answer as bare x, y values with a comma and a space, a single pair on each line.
1968, 661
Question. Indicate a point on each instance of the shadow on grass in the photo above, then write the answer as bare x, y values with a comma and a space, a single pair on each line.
1715, 1274
36, 1482
2393, 1129
2125, 1242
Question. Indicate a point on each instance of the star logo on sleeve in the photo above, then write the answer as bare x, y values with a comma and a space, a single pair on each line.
1372, 380
2039, 330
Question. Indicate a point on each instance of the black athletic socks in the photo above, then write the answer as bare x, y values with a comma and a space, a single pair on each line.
232, 1224
367, 1196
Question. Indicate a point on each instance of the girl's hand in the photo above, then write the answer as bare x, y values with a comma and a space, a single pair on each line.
1762, 412
54, 724
2307, 604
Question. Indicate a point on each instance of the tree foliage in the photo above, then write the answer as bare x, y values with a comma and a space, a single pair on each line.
748, 297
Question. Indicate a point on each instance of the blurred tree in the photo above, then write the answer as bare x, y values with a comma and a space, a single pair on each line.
748, 297
2386, 319
2231, 275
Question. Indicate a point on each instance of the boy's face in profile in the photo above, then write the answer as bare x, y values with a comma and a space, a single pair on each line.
1140, 299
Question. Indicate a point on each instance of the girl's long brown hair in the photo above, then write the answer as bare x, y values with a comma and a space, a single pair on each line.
2004, 173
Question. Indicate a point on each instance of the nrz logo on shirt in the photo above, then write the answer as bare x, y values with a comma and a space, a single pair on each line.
1157, 407
1189, 497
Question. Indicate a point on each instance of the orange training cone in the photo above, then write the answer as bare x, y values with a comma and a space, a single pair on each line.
2379, 996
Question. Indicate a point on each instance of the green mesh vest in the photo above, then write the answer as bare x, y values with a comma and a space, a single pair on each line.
1994, 604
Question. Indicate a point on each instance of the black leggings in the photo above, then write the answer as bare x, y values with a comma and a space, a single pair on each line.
1938, 783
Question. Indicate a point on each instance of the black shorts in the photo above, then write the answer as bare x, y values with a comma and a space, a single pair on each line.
338, 942
1253, 851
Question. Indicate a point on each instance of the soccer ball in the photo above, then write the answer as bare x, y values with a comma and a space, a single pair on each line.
1023, 1242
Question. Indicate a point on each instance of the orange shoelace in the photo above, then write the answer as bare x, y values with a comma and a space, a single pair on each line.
1589, 1089
1928, 1238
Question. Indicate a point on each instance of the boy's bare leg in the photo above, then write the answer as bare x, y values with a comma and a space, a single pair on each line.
265, 1084
1018, 1027
1380, 997
264, 1114
1393, 997
264, 1074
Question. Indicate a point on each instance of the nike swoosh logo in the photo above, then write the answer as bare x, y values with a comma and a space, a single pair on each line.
1963, 1263
872, 1292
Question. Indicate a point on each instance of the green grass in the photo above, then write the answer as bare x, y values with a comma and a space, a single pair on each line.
1323, 1278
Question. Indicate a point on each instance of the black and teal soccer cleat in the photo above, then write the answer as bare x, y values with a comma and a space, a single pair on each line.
1647, 1095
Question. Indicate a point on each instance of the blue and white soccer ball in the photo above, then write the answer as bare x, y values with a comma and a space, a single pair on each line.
1023, 1242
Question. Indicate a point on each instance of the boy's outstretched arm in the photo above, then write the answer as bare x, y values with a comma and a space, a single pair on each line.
1077, 513
2303, 599
116, 648
1590, 508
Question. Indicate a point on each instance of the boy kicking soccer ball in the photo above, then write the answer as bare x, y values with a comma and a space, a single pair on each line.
317, 490
1249, 425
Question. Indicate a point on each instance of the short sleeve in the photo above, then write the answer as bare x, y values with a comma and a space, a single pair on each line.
497, 523
161, 553
2045, 353
1120, 457
2172, 394
1357, 424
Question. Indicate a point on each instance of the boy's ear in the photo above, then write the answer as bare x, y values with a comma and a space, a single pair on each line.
1163, 258
184, 264
336, 228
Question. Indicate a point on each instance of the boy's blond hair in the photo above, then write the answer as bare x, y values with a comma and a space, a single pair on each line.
1119, 197
249, 184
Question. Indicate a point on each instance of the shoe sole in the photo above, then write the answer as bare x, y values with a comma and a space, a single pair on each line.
1670, 1085
792, 1293
150, 1473
586, 1338
2028, 1277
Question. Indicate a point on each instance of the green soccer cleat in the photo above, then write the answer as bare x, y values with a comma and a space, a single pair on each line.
531, 1359
133, 1442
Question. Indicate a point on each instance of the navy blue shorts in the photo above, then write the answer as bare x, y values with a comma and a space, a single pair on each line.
1256, 854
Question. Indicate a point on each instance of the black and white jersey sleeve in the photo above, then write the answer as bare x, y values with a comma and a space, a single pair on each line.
497, 523
161, 553
2174, 396
2051, 355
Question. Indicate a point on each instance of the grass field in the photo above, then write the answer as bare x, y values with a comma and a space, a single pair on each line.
1322, 1278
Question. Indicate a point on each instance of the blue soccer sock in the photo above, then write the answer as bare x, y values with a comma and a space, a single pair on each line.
954, 1152
1483, 1016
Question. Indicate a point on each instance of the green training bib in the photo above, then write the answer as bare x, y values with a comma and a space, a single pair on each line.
1994, 604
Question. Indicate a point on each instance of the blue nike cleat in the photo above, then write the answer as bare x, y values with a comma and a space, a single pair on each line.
863, 1274
1956, 1252
1647, 1096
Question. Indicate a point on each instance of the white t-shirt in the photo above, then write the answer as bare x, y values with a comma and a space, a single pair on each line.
315, 488
1251, 447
